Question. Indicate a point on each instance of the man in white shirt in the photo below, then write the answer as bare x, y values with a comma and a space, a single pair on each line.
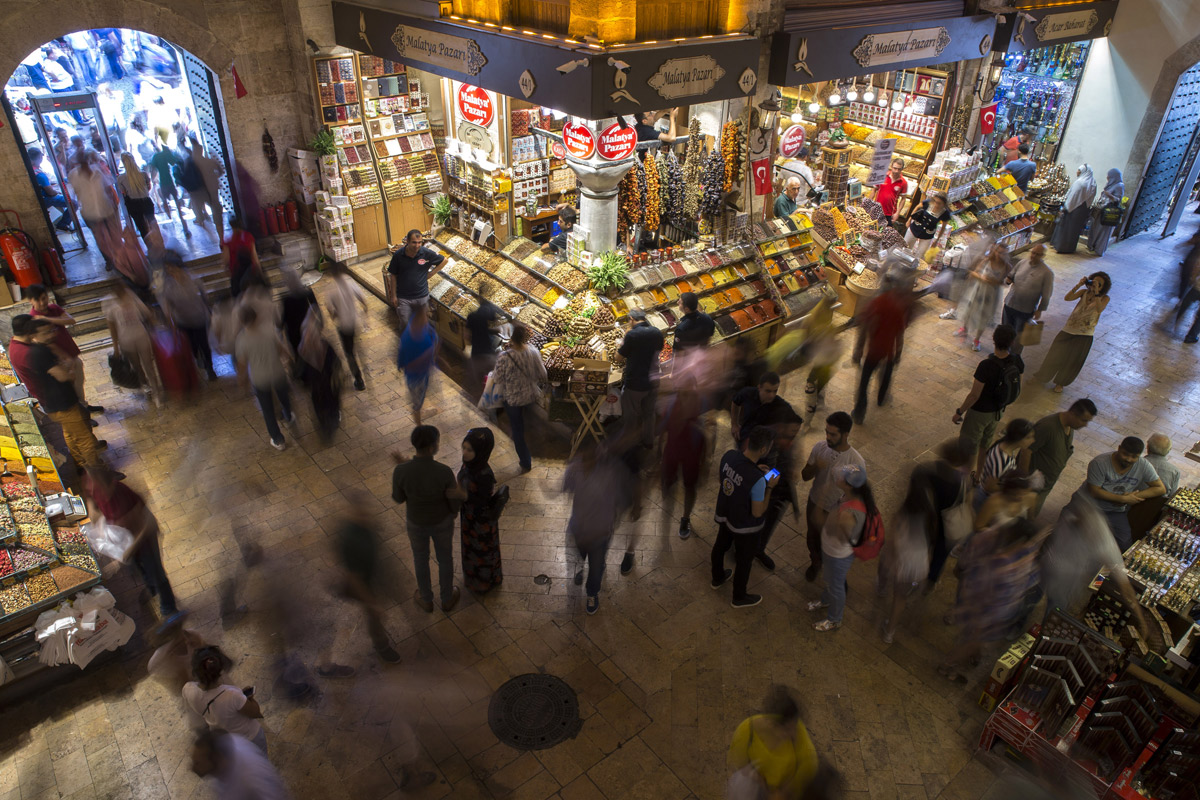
239, 768
834, 452
58, 78
344, 301
1158, 447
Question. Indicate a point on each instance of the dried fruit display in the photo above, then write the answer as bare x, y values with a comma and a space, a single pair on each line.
26, 559
6, 565
18, 489
14, 598
839, 221
892, 237
83, 562
693, 170
653, 196
859, 219
41, 587
872, 208
823, 225
732, 142
713, 182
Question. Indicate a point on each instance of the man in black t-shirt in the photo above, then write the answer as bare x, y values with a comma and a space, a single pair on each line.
566, 221
481, 326
695, 328
641, 348
56, 382
981, 411
756, 405
410, 267
646, 132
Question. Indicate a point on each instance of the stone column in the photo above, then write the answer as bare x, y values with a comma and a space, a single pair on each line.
598, 181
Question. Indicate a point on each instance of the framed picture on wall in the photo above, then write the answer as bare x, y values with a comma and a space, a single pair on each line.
923, 82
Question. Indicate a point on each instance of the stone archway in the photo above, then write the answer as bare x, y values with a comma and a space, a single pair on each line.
1144, 140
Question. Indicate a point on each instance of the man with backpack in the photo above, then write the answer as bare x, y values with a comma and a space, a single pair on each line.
997, 385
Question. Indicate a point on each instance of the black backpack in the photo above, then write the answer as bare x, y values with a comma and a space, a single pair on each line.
1008, 389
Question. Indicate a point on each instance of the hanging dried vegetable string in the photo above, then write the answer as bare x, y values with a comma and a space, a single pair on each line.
714, 183
731, 148
628, 211
675, 193
651, 215
693, 169
664, 185
269, 150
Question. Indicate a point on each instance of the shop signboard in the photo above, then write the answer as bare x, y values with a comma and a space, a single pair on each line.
1057, 24
801, 57
617, 142
578, 141
557, 150
792, 141
590, 81
475, 106
880, 160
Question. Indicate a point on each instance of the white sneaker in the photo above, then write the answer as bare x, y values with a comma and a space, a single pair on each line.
951, 314
280, 445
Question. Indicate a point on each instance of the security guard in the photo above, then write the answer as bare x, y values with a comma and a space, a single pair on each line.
742, 502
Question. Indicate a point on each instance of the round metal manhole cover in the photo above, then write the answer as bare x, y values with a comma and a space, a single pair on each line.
534, 711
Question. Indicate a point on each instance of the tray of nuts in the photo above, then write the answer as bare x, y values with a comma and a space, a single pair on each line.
14, 598
41, 587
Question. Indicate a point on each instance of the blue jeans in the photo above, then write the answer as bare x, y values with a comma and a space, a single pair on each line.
836, 570
266, 401
516, 419
148, 560
1118, 523
442, 535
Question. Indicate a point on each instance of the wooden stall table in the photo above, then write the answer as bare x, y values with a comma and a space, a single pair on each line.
589, 406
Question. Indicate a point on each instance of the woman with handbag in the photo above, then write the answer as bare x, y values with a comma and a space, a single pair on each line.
518, 377
212, 704
478, 515
1106, 215
129, 324
772, 753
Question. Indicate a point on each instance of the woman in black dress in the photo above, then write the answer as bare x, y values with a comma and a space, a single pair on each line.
480, 531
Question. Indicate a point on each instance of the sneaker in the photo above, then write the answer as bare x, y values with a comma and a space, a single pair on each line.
685, 527
824, 626
336, 671
593, 604
725, 577
423, 604
290, 419
976, 346
359, 385
951, 314
961, 333
94, 409
278, 445
389, 655
579, 578
810, 574
455, 596
627, 564
815, 605
766, 561
747, 601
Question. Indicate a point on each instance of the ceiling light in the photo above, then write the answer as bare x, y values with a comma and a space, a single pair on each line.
814, 107
851, 95
883, 100
898, 103
868, 96
834, 99
798, 117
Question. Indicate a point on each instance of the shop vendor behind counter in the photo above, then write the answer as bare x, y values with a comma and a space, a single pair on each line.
786, 203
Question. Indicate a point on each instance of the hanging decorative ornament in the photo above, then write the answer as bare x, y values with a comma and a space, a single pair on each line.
869, 94
269, 150
834, 99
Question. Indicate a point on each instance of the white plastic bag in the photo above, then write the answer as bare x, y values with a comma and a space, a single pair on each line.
108, 539
491, 398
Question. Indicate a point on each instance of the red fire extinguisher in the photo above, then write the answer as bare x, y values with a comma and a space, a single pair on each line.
18, 250
262, 222
53, 266
281, 218
272, 221
293, 215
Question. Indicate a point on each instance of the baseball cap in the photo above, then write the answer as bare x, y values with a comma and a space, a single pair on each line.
854, 476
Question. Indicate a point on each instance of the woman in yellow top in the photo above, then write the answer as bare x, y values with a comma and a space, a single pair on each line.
777, 745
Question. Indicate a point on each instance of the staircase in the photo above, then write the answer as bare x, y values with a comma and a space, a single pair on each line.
83, 302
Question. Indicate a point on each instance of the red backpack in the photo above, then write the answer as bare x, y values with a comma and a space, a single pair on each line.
871, 543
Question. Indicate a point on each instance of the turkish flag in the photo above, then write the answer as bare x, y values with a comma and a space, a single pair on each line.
987, 119
239, 89
762, 176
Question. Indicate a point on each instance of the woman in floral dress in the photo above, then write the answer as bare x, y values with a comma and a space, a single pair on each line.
480, 533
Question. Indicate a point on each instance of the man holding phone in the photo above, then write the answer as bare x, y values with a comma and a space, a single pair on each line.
824, 496
745, 494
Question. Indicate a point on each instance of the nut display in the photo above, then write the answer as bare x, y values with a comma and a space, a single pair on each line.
41, 587
823, 224
14, 598
68, 577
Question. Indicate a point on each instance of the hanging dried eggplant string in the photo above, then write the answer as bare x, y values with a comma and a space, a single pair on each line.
651, 215
693, 169
268, 145
627, 202
676, 193
714, 183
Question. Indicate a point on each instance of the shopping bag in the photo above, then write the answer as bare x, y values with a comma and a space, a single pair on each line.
1111, 215
107, 539
491, 398
112, 630
1031, 334
122, 373
746, 784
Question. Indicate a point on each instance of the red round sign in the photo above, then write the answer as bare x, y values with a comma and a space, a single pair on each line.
617, 142
792, 141
474, 105
557, 150
578, 140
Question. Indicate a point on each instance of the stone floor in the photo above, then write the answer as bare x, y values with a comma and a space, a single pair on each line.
84, 263
664, 672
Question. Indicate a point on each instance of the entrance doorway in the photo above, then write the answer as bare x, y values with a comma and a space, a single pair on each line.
112, 95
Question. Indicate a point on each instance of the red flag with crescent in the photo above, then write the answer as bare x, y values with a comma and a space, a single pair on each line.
987, 119
762, 176
239, 89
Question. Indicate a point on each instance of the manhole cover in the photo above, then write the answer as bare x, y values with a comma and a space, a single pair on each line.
533, 712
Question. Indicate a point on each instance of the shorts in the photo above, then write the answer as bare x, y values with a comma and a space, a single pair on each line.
683, 454
418, 385
979, 428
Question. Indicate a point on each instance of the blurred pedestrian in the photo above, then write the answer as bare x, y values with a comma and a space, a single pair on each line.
597, 481
210, 703
997, 381
41, 307
417, 357
845, 528
745, 493
184, 302
754, 405
1014, 498
129, 324
431, 495
1071, 346
821, 468
946, 478
241, 256
882, 324
983, 294
97, 202
1002, 456
641, 347
321, 371
1032, 286
695, 328
1117, 480
1158, 447
52, 381
209, 191
772, 752
1189, 292
478, 522
520, 378
239, 768
261, 356
1053, 444
344, 301
785, 423
904, 563
357, 549
297, 301
108, 497
482, 326
684, 452
161, 164
135, 188
824, 350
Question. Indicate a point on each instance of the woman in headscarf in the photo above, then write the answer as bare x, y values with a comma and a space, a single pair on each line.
480, 532
1111, 195
1076, 208
321, 370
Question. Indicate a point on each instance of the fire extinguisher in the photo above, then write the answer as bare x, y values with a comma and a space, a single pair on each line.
272, 221
53, 267
281, 218
293, 215
18, 250
262, 222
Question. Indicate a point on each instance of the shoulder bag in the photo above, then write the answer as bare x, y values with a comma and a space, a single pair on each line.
959, 520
